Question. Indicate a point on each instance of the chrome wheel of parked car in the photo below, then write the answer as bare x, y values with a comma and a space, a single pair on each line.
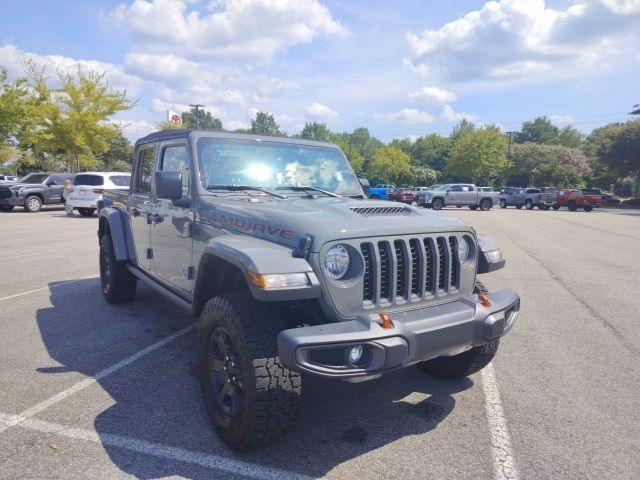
33, 204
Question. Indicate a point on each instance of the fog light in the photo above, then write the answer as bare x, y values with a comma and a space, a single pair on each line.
355, 354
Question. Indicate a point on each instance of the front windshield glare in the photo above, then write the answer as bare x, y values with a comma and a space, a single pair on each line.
34, 178
271, 165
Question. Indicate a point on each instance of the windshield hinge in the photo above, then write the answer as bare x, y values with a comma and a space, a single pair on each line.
304, 247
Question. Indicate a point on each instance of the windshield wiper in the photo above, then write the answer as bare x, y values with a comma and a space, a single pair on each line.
304, 188
240, 188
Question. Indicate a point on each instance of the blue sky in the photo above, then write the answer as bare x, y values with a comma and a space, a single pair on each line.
402, 68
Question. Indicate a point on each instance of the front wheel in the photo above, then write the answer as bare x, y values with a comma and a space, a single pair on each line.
251, 398
6, 208
486, 204
437, 203
86, 212
33, 204
465, 363
117, 282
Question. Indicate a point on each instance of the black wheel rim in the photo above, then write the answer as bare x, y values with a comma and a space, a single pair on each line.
224, 373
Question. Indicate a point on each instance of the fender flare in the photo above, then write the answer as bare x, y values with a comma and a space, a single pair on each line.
250, 254
120, 231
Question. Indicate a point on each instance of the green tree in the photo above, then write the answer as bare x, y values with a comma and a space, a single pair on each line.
404, 144
549, 165
13, 99
205, 120
462, 128
316, 131
75, 117
422, 176
118, 157
617, 145
478, 154
540, 130
265, 124
353, 155
389, 165
570, 137
431, 151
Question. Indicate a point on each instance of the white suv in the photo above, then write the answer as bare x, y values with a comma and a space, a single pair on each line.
88, 188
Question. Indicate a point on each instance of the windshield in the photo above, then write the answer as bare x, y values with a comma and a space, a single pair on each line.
273, 165
442, 187
34, 178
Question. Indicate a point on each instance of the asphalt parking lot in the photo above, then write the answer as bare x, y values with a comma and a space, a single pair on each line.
90, 390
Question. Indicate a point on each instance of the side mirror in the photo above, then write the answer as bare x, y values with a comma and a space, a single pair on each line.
168, 185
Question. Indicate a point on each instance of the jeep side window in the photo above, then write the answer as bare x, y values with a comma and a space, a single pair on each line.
175, 159
144, 174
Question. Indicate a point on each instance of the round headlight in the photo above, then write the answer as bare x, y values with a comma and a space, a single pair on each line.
463, 250
336, 262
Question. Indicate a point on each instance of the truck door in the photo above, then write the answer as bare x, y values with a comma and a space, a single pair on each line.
172, 222
453, 195
467, 196
140, 203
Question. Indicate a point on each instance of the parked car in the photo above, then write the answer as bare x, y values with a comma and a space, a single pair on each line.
574, 199
527, 197
404, 195
382, 192
596, 191
8, 178
33, 191
418, 190
89, 187
293, 281
459, 195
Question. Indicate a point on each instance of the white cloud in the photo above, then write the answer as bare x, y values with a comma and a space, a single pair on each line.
250, 29
452, 116
319, 110
14, 59
406, 115
526, 39
236, 124
433, 95
134, 129
561, 120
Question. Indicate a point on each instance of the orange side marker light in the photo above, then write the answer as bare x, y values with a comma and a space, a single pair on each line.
386, 321
484, 300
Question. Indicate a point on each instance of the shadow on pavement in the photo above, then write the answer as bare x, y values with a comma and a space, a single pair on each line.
157, 398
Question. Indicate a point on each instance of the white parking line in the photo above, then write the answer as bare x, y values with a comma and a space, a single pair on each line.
168, 452
501, 449
29, 292
58, 397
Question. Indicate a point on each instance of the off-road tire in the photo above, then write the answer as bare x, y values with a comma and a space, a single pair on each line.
486, 204
269, 392
117, 283
465, 363
529, 205
572, 206
32, 204
437, 203
6, 208
588, 208
503, 204
555, 207
86, 212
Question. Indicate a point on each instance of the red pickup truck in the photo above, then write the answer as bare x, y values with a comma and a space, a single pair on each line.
574, 199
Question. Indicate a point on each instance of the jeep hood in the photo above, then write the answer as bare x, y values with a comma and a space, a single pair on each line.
288, 221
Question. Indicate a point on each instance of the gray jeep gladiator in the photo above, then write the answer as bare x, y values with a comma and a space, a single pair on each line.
294, 272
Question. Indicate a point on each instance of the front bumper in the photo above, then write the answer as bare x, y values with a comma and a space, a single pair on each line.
13, 200
415, 336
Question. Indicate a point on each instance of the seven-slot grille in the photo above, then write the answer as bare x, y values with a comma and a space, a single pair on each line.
398, 270
5, 192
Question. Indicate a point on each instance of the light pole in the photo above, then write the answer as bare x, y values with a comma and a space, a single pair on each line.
196, 106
